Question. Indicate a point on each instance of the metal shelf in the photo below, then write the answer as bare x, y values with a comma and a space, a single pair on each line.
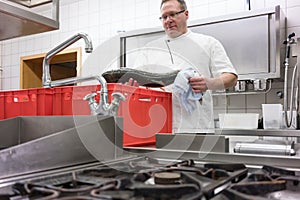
259, 132
16, 22
248, 159
31, 3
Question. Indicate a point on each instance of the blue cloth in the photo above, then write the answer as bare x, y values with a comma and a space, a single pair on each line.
183, 88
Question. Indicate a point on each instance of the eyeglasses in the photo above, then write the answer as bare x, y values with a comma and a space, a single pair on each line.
171, 15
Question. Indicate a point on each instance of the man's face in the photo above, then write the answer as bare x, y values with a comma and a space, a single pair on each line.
174, 23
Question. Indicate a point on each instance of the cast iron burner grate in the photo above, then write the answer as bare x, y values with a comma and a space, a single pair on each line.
145, 178
267, 183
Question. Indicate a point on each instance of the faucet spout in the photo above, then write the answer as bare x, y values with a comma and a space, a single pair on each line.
103, 107
103, 104
46, 62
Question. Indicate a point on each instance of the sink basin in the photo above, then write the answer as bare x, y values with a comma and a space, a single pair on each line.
19, 130
33, 144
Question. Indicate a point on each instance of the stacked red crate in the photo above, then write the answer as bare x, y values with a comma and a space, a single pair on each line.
69, 100
30, 102
145, 112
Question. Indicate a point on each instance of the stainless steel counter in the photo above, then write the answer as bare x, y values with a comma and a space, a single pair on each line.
260, 132
211, 151
247, 159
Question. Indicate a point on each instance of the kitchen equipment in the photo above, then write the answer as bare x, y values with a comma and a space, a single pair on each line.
61, 166
272, 116
31, 3
238, 120
294, 122
151, 178
265, 148
260, 84
34, 144
240, 86
194, 142
269, 182
16, 21
288, 118
133, 178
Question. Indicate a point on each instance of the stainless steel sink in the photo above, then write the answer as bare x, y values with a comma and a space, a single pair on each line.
19, 130
34, 144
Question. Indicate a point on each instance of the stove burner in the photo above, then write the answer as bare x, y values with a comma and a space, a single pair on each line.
105, 172
284, 195
147, 178
260, 188
34, 190
267, 183
166, 178
77, 198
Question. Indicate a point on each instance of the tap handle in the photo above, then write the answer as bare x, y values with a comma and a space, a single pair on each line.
291, 35
117, 97
90, 97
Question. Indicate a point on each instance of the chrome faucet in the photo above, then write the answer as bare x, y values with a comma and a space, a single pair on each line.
100, 109
46, 62
103, 107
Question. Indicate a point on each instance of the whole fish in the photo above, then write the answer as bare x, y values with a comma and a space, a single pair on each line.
143, 78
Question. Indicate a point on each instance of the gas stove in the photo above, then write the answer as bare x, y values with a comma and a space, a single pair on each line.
149, 178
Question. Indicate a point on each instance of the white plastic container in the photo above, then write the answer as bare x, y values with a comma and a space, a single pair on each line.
238, 120
272, 116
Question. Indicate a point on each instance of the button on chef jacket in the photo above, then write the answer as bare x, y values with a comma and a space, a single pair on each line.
203, 53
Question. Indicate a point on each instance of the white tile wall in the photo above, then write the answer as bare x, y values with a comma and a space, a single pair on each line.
103, 19
292, 3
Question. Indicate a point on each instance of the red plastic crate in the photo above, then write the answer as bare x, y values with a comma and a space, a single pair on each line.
28, 102
2, 106
69, 100
145, 112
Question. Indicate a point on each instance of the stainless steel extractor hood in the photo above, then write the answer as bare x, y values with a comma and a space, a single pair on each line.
31, 3
16, 22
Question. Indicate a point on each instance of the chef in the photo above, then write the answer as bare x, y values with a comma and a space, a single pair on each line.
203, 63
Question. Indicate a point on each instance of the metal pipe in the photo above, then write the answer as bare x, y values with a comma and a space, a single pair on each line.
46, 62
103, 92
248, 3
255, 148
88, 48
103, 107
288, 119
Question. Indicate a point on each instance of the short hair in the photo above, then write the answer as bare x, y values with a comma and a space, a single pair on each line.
181, 2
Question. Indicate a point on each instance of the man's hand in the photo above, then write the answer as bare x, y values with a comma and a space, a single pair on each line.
224, 81
132, 82
198, 83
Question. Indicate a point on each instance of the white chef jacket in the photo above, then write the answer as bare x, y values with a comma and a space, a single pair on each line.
206, 55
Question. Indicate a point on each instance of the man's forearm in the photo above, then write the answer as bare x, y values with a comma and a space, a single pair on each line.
224, 81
